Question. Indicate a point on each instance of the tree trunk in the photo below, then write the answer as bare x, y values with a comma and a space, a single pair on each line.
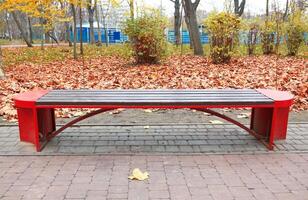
191, 42
30, 30
99, 32
131, 9
285, 14
91, 21
106, 32
267, 8
8, 25
1, 65
47, 38
42, 33
239, 8
75, 30
80, 30
23, 33
177, 22
191, 45
67, 34
52, 36
277, 44
190, 9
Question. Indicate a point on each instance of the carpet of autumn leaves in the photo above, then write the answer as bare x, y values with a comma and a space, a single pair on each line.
107, 72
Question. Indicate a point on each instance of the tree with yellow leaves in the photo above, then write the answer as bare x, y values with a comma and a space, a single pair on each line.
48, 11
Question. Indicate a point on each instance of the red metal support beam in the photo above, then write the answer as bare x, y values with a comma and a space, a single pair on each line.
257, 136
55, 133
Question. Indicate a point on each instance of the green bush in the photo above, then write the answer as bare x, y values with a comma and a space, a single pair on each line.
223, 29
147, 37
268, 37
295, 29
295, 36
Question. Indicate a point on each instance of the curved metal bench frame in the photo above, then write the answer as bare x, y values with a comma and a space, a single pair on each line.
209, 111
37, 125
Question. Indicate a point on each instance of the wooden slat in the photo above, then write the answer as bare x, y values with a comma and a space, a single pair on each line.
154, 97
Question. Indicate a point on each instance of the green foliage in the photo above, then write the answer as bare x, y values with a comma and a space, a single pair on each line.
268, 37
146, 34
15, 56
251, 27
223, 29
294, 38
295, 32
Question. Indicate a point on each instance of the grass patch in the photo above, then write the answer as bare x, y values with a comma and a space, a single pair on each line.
14, 56
11, 42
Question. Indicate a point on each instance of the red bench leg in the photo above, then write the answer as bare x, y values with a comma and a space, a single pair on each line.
28, 129
46, 123
271, 123
261, 121
35, 124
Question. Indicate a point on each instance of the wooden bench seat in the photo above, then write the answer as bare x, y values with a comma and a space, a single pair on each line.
188, 98
37, 120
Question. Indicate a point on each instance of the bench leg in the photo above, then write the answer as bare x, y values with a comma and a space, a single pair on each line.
46, 123
34, 125
270, 122
28, 127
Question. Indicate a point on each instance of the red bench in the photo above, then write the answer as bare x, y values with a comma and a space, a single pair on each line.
37, 125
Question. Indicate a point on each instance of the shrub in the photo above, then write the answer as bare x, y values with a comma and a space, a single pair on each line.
295, 36
268, 37
223, 29
295, 29
252, 29
147, 37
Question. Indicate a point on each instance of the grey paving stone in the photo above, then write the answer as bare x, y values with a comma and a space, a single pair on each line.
172, 149
300, 146
197, 142
210, 148
159, 148
105, 149
158, 139
76, 149
186, 149
140, 149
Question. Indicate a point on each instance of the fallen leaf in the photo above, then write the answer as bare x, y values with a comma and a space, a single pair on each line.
139, 175
241, 116
177, 72
117, 111
216, 122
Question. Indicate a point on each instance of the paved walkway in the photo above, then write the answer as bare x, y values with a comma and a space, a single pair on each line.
218, 177
144, 139
185, 161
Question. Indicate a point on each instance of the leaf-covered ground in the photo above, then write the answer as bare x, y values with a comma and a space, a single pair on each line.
282, 73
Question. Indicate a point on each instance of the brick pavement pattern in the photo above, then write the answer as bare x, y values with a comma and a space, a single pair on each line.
186, 138
219, 162
215, 177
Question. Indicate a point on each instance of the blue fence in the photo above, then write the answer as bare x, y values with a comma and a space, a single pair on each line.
116, 36
185, 37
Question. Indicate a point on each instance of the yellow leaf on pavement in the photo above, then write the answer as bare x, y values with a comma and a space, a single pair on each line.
139, 175
216, 122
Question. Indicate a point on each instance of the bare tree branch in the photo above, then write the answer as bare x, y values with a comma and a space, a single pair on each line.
195, 4
239, 7
285, 14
